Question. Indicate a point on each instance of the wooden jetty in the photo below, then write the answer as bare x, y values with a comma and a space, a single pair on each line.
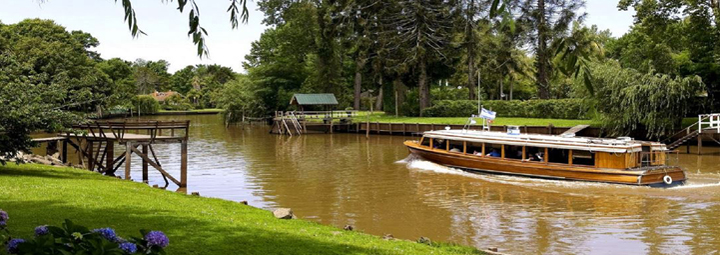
301, 122
95, 145
706, 128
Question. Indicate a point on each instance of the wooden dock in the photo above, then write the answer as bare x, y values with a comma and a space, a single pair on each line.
95, 146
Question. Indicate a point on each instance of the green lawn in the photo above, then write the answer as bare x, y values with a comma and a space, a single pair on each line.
216, 110
382, 117
35, 195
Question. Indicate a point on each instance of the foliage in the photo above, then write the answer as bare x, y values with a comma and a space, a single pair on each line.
46, 74
239, 99
196, 31
630, 100
71, 238
550, 108
145, 104
151, 76
176, 102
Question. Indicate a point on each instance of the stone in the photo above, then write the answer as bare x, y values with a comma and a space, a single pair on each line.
388, 237
284, 213
244, 202
493, 249
424, 240
349, 227
197, 194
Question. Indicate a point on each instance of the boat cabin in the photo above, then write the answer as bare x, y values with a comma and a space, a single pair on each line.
615, 153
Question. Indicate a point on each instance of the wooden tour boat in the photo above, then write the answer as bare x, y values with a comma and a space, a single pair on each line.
620, 160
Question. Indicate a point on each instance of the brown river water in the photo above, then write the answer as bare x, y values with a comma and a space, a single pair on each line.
372, 184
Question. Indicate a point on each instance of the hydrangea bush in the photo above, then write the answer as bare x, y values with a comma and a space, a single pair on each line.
76, 239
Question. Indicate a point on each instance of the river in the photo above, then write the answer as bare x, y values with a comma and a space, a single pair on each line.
346, 179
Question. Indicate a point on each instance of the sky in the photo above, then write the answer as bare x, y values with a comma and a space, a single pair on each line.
166, 28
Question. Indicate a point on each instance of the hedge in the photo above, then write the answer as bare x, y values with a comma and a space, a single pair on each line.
550, 108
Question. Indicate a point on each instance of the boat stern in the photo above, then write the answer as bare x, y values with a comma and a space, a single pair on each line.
665, 176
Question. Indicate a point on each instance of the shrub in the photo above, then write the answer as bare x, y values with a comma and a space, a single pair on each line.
176, 103
552, 108
77, 239
145, 104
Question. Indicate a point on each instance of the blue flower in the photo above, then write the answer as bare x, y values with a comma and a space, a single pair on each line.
157, 238
3, 223
41, 230
128, 247
107, 233
3, 216
12, 246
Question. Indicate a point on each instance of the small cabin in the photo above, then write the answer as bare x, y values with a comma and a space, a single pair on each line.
619, 153
325, 101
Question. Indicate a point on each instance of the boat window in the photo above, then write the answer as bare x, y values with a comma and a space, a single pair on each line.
474, 148
439, 144
513, 152
558, 156
534, 153
425, 141
456, 146
493, 150
583, 158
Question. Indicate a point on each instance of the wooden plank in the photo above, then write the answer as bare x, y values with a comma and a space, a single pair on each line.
183, 164
145, 177
128, 157
570, 157
109, 157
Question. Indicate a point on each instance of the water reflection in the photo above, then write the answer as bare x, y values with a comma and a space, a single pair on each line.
344, 179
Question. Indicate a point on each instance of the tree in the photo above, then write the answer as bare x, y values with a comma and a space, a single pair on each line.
46, 74
151, 76
549, 20
422, 32
121, 77
575, 53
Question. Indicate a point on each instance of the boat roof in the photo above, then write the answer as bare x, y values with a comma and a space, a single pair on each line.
613, 145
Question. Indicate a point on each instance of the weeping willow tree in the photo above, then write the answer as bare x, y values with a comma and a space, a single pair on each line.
628, 100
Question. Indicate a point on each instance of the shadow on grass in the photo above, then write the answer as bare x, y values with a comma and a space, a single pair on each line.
14, 170
187, 235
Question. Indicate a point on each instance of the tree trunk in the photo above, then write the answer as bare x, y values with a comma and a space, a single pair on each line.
512, 85
501, 90
542, 57
399, 94
359, 63
379, 102
423, 87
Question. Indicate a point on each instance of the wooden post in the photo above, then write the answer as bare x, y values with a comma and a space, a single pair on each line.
502, 153
91, 160
128, 158
431, 143
483, 150
110, 156
464, 147
183, 164
145, 177
64, 151
447, 144
547, 156
523, 150
404, 129
699, 144
570, 157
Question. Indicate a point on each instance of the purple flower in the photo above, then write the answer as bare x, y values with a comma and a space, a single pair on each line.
107, 233
157, 238
3, 216
41, 230
3, 223
12, 246
128, 247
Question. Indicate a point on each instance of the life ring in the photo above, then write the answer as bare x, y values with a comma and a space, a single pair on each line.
667, 180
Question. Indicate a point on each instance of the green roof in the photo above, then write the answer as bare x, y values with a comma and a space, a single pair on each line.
314, 99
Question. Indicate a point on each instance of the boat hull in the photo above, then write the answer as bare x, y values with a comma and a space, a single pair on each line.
650, 176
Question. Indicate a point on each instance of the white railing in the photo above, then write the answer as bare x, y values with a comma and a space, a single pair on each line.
713, 122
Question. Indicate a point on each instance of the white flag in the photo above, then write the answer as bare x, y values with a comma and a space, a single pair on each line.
487, 114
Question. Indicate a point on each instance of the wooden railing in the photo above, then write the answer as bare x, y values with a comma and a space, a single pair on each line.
316, 114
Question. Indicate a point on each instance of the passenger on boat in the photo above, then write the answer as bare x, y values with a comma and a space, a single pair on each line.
439, 144
477, 153
494, 153
455, 150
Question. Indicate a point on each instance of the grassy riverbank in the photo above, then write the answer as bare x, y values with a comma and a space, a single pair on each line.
197, 111
386, 118
35, 195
